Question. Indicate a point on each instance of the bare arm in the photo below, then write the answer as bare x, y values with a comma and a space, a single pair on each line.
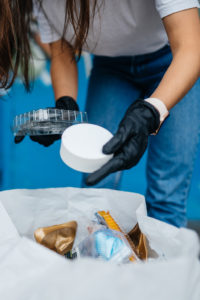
183, 29
63, 70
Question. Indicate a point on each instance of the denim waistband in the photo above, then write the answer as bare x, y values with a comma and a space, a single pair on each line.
136, 58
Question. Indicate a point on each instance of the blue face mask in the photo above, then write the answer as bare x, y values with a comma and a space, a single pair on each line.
111, 246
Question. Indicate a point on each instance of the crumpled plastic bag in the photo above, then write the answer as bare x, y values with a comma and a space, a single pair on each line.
31, 271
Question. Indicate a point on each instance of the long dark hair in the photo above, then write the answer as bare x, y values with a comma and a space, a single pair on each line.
79, 14
15, 18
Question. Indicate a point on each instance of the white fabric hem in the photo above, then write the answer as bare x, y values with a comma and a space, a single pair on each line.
166, 10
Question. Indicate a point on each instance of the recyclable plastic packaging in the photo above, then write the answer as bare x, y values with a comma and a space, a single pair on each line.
81, 147
105, 218
105, 244
46, 121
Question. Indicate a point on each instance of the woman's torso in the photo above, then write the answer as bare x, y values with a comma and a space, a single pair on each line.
120, 27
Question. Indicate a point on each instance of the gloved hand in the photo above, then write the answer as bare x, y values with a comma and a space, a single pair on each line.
67, 103
130, 142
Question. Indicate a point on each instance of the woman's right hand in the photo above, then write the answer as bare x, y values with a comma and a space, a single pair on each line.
66, 103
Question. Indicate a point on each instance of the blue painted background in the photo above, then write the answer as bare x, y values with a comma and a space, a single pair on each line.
29, 165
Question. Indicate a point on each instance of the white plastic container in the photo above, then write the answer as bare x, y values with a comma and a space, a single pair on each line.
81, 147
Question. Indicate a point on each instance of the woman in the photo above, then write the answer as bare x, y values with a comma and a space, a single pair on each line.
137, 78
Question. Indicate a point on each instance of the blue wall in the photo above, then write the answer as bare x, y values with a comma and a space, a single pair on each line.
29, 165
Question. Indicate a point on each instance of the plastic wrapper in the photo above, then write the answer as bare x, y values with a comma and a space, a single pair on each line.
46, 121
105, 218
106, 244
59, 238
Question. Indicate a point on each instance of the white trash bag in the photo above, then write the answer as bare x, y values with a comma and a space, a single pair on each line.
31, 271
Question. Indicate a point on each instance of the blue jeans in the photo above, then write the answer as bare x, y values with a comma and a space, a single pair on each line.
114, 84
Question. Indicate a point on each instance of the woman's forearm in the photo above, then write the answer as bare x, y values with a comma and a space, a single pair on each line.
183, 29
179, 78
63, 71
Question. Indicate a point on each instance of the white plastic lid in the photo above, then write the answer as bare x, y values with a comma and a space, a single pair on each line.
81, 147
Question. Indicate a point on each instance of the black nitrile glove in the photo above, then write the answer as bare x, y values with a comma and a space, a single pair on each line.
67, 103
130, 142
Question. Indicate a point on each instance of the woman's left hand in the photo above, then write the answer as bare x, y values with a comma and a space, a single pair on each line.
130, 142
